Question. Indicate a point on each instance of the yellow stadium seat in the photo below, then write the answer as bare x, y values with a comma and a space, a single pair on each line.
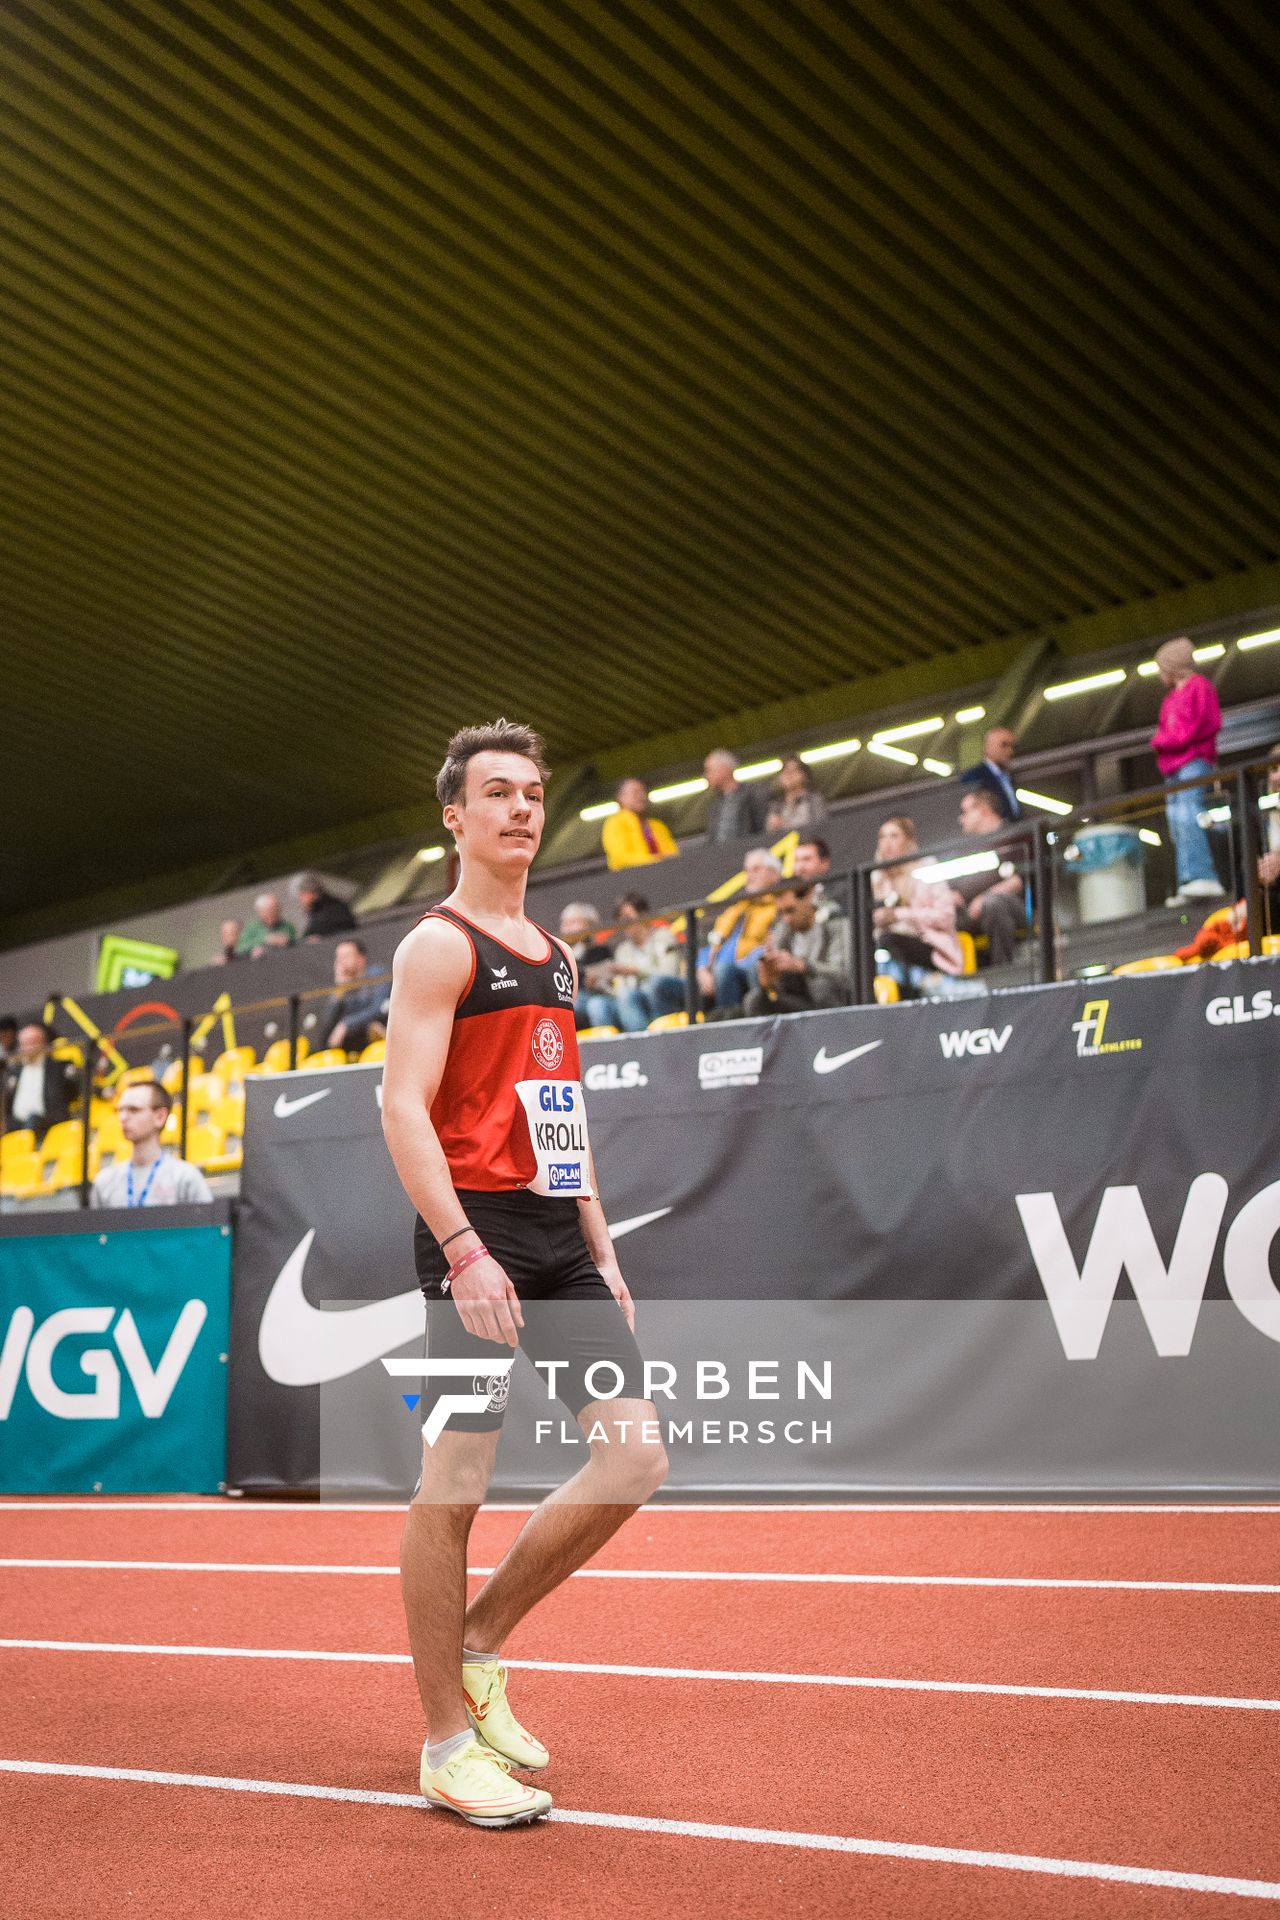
1271, 943
61, 1140
328, 1057
204, 1144
885, 988
666, 1021
968, 952
1238, 951
1154, 963
276, 1057
59, 1169
376, 1050
20, 1175
232, 1065
596, 1033
229, 1115
12, 1145
171, 1079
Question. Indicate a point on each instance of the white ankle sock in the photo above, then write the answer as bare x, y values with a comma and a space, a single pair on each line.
443, 1750
471, 1659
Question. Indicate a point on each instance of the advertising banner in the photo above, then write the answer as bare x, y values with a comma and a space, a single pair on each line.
1032, 1234
113, 1375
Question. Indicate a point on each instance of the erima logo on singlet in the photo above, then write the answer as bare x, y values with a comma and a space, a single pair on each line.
500, 980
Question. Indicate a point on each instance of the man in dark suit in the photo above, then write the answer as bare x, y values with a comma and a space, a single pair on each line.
736, 810
991, 775
38, 1090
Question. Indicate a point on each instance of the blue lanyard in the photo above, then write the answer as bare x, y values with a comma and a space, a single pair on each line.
141, 1201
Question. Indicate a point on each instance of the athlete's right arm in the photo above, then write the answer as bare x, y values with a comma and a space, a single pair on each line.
429, 976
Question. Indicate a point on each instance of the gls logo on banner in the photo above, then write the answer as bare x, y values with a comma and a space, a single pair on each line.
1170, 1297
153, 1385
609, 1074
1233, 1012
977, 1040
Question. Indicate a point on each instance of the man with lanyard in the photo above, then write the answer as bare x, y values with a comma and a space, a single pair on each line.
482, 1110
150, 1177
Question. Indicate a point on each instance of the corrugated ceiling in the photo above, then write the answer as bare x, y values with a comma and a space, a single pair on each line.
371, 367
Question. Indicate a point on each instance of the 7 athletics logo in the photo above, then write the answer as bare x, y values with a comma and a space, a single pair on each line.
1089, 1029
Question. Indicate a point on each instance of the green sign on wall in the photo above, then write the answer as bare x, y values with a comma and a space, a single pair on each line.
113, 1350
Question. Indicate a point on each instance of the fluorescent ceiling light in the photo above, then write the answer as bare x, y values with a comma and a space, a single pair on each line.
1148, 669
940, 767
910, 729
889, 752
601, 810
1270, 800
1152, 839
1259, 640
967, 714
1092, 681
679, 789
430, 853
1215, 652
758, 770
963, 863
1045, 801
832, 751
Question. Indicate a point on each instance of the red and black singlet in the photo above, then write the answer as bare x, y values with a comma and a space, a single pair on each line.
508, 1111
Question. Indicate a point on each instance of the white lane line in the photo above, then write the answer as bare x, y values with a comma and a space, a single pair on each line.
93, 1503
1171, 1878
676, 1573
873, 1683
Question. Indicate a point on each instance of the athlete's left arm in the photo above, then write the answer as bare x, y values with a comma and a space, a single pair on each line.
595, 1231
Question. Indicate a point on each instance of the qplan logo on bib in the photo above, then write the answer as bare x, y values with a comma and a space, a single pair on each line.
564, 1176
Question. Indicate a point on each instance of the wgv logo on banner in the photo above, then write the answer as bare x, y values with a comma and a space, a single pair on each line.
99, 1400
1170, 1295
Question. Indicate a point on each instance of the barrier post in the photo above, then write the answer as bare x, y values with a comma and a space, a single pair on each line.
295, 1004
86, 1110
1250, 844
188, 1027
692, 991
864, 959
1046, 931
847, 889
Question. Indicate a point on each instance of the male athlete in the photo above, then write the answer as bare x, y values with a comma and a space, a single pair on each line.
482, 1110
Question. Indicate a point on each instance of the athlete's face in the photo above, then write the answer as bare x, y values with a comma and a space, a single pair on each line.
501, 820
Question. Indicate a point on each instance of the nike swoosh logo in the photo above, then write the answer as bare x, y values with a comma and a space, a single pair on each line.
825, 1062
285, 1106
304, 1346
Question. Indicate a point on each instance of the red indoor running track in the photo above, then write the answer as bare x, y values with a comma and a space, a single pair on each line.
994, 1710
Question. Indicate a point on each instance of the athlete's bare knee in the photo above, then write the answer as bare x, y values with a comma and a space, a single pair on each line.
456, 1471
629, 1456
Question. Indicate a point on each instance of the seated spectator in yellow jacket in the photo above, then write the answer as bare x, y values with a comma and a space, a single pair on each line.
729, 963
632, 836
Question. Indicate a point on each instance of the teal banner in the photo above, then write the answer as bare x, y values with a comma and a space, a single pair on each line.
113, 1367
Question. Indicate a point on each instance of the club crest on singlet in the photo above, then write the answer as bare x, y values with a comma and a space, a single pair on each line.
548, 1045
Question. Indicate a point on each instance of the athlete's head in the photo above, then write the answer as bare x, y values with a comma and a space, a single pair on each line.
491, 790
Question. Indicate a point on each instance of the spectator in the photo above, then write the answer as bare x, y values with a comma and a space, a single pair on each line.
797, 803
804, 962
150, 1177
647, 971
813, 862
228, 943
580, 931
727, 964
1269, 863
325, 913
632, 837
983, 905
8, 1039
357, 1012
38, 1090
914, 917
991, 774
736, 811
1186, 748
267, 929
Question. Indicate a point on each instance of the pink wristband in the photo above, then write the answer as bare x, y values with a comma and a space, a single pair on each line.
467, 1260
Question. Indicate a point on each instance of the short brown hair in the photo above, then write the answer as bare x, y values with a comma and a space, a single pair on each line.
496, 736
160, 1096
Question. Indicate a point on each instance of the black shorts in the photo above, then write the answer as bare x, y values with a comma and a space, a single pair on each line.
574, 1331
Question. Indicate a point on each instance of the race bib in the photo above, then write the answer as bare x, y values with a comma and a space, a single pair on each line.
557, 1121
